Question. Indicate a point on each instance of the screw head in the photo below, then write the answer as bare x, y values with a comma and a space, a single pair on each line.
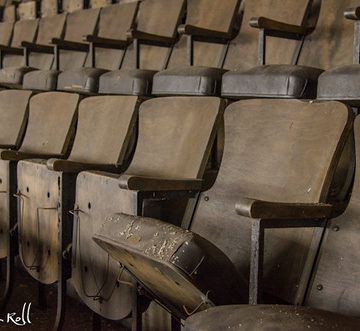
206, 198
336, 228
319, 287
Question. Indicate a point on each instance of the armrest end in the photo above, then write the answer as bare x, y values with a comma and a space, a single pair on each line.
279, 210
75, 167
138, 183
352, 13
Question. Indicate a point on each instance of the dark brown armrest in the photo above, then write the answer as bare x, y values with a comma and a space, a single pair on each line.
72, 166
352, 13
276, 26
204, 34
278, 210
150, 38
106, 42
33, 47
138, 183
11, 50
70, 45
17, 155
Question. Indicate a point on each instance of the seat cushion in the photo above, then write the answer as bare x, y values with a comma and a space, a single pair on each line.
269, 317
84, 80
188, 81
130, 82
340, 83
42, 80
13, 76
272, 81
182, 269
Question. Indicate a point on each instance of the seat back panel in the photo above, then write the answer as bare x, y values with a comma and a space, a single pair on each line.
184, 122
331, 44
105, 125
160, 17
50, 27
75, 30
13, 116
70, 6
275, 150
114, 22
23, 31
243, 51
52, 118
335, 285
49, 8
5, 32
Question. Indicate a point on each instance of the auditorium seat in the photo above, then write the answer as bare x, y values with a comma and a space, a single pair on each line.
106, 49
150, 46
332, 301
280, 154
6, 27
185, 130
69, 52
299, 79
25, 29
207, 22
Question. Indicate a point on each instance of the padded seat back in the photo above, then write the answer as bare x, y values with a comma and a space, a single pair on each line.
181, 146
213, 15
70, 6
105, 126
24, 30
9, 14
334, 286
160, 18
331, 44
243, 50
13, 117
275, 150
49, 8
75, 30
52, 119
114, 22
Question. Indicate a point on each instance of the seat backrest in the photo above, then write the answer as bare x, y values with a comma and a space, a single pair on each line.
49, 8
13, 116
49, 27
24, 30
7, 25
75, 30
70, 6
100, 3
27, 10
51, 125
185, 131
335, 285
9, 14
115, 20
331, 44
243, 50
274, 150
105, 126
161, 18
214, 15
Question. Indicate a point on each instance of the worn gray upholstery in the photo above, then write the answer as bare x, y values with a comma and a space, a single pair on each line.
13, 76
280, 81
341, 83
189, 267
131, 81
188, 81
269, 317
43, 80
85, 80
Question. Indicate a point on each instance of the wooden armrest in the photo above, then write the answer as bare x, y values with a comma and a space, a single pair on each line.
106, 42
276, 26
38, 47
352, 13
278, 210
204, 34
70, 45
138, 183
150, 38
72, 166
18, 155
11, 50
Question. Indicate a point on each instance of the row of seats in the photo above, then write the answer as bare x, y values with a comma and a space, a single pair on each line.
127, 170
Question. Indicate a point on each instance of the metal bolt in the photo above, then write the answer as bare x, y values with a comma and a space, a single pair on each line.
336, 228
206, 198
319, 287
